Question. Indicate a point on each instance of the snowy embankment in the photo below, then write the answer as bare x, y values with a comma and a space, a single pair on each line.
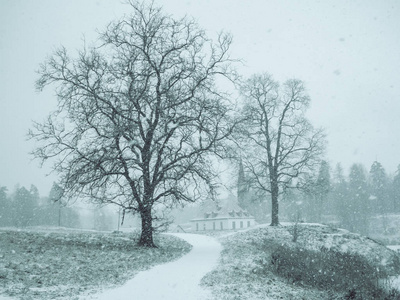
324, 263
394, 281
394, 247
177, 280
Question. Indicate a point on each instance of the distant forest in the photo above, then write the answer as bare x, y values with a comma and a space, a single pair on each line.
22, 208
359, 202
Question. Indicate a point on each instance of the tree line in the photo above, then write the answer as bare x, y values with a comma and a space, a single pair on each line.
330, 196
25, 207
350, 201
362, 195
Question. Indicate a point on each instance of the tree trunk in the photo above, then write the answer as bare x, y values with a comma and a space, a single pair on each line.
275, 206
146, 238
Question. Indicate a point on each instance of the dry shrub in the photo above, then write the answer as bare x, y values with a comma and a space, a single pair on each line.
328, 269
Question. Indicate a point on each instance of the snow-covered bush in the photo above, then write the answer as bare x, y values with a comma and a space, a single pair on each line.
327, 269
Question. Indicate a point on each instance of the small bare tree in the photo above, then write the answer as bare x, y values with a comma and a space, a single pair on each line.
277, 142
138, 114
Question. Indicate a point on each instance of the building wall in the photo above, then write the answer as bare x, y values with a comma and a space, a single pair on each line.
222, 224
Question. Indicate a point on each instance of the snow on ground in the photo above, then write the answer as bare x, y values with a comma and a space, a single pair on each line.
176, 280
394, 247
395, 280
58, 264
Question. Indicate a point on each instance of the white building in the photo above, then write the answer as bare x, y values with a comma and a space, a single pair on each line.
227, 215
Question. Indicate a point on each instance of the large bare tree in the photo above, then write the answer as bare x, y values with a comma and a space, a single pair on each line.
277, 142
138, 114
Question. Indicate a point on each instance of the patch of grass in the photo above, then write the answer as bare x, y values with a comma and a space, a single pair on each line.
40, 265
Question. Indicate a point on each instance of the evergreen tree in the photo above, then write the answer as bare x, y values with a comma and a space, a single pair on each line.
322, 188
242, 188
307, 186
24, 206
379, 188
56, 193
4, 207
395, 191
340, 196
359, 199
379, 192
36, 201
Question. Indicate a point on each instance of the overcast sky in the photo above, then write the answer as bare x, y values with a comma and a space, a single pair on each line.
347, 52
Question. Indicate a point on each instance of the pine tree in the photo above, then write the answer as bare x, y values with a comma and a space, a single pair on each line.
379, 187
359, 199
4, 207
322, 187
340, 195
379, 192
24, 206
395, 191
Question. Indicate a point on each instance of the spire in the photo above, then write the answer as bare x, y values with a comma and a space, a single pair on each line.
242, 187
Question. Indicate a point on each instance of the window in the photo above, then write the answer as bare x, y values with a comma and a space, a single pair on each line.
213, 225
241, 224
248, 223
222, 226
197, 226
233, 225
204, 226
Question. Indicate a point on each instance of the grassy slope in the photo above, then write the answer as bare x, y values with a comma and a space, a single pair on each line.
245, 270
55, 265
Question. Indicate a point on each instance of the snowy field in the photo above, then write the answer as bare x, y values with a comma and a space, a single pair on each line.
39, 264
231, 265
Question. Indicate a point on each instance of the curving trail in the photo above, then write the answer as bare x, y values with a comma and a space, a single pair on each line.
175, 280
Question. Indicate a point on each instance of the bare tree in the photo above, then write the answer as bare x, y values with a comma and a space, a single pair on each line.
138, 114
277, 142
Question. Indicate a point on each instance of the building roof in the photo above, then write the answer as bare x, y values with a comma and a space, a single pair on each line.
227, 208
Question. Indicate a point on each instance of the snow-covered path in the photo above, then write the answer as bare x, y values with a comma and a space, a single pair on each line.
175, 280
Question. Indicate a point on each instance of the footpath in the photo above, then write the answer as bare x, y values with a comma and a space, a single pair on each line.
175, 280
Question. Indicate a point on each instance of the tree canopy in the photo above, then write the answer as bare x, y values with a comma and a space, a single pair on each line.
278, 142
138, 114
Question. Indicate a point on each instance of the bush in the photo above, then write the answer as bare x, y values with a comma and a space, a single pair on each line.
327, 269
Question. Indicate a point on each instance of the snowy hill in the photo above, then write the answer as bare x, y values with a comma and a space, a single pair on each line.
324, 263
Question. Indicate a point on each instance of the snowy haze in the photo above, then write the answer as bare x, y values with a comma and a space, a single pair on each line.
348, 54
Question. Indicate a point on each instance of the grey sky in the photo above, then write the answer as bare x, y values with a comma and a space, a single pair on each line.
348, 53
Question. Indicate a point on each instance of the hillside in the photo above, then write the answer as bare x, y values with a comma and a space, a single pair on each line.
324, 263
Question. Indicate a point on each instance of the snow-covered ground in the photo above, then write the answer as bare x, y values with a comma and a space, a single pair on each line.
395, 280
175, 280
394, 247
54, 264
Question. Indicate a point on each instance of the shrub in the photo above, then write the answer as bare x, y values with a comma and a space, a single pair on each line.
328, 269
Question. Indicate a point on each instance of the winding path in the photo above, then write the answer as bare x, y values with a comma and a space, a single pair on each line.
175, 280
